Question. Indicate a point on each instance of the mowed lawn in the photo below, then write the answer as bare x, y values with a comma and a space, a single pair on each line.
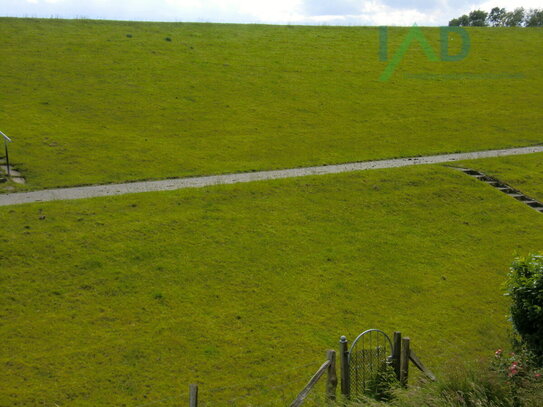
524, 173
96, 101
126, 300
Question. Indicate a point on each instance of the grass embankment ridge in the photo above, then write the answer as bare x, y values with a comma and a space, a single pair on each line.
523, 173
127, 299
93, 102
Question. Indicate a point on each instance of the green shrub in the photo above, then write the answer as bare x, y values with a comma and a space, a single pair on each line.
461, 385
382, 385
509, 381
525, 286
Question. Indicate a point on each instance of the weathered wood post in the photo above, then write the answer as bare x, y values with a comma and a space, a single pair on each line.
404, 361
345, 370
331, 382
396, 352
193, 395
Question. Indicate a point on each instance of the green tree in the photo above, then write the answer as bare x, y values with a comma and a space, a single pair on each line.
463, 20
497, 16
534, 18
515, 18
455, 22
477, 18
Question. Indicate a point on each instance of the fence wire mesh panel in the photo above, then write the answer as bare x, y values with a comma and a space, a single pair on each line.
369, 359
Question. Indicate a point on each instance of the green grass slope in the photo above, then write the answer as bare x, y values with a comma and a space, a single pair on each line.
126, 300
522, 172
97, 101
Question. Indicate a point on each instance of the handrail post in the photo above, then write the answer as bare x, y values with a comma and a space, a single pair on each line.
345, 370
331, 382
6, 141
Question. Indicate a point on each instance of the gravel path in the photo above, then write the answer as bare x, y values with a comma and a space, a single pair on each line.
197, 182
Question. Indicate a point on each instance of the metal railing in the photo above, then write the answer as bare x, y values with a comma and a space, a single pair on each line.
6, 141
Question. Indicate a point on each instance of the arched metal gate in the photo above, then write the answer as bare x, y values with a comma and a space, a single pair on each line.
368, 360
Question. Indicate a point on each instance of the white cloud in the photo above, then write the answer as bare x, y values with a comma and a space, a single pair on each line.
509, 4
340, 12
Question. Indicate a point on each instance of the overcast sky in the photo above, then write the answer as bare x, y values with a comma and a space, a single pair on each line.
331, 12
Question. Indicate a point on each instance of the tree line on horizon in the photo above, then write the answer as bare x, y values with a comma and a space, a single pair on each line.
500, 17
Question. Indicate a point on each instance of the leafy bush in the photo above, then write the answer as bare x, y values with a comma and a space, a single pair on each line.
381, 386
511, 380
520, 372
525, 287
461, 385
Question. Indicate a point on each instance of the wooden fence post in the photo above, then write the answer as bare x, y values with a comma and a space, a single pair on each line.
331, 382
396, 352
193, 395
345, 372
404, 361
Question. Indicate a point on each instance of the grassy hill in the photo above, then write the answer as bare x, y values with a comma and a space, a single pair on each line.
97, 101
125, 300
